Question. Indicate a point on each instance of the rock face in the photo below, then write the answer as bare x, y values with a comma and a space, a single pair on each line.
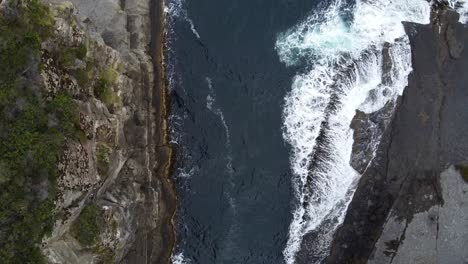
121, 165
411, 202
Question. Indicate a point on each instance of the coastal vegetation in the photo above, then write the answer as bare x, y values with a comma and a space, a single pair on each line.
34, 127
86, 228
68, 55
104, 91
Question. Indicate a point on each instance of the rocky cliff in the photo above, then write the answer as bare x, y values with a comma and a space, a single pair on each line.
112, 199
411, 203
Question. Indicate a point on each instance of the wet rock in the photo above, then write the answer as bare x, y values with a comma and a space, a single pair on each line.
386, 64
367, 128
455, 44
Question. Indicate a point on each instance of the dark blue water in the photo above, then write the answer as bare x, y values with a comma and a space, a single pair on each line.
232, 168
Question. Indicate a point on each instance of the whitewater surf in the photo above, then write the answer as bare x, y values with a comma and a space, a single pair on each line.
340, 48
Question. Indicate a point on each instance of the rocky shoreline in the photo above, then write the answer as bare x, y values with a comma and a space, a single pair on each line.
410, 204
157, 248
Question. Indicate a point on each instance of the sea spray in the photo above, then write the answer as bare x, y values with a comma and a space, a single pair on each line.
343, 53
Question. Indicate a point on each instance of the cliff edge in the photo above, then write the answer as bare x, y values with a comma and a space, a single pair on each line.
84, 152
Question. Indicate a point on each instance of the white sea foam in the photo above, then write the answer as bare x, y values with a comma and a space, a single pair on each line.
345, 58
175, 8
210, 101
179, 259
183, 173
462, 8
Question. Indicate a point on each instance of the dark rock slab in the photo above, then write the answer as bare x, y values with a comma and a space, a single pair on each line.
426, 134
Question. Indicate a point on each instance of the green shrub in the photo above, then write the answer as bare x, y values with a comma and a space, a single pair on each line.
40, 17
110, 76
81, 51
66, 56
82, 77
104, 92
66, 109
86, 229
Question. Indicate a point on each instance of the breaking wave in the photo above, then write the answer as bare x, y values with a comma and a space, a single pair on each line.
354, 57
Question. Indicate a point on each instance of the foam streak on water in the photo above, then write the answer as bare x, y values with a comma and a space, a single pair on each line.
342, 48
211, 105
210, 101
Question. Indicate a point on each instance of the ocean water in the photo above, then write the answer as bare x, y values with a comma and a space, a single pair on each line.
228, 87
263, 94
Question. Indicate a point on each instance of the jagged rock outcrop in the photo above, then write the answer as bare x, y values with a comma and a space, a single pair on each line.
410, 204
